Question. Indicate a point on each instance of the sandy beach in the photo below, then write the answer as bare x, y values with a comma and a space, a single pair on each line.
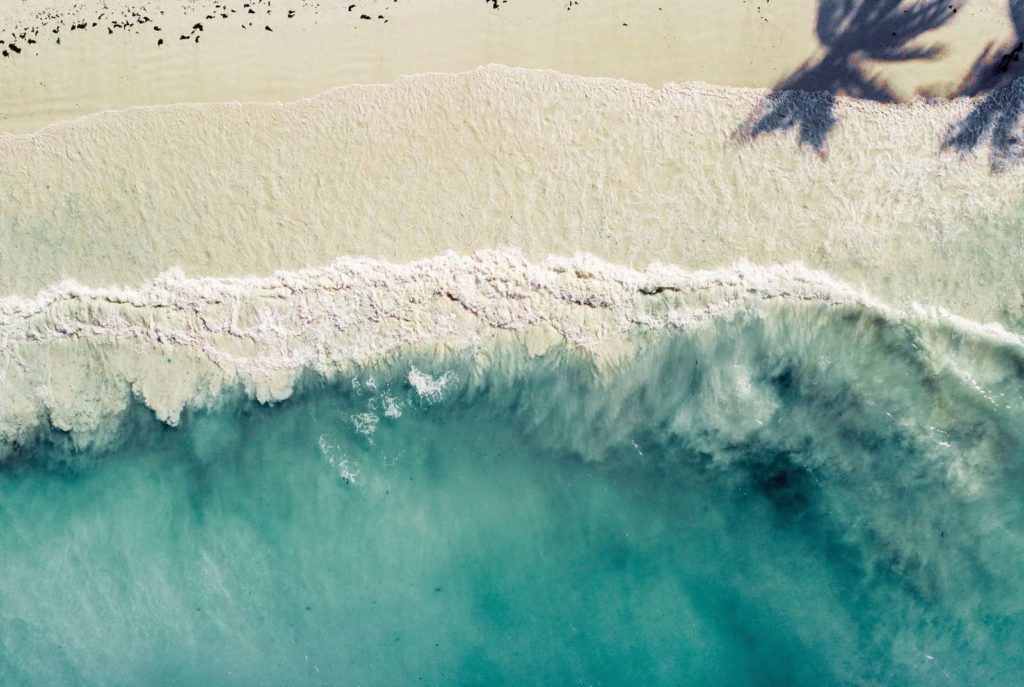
110, 66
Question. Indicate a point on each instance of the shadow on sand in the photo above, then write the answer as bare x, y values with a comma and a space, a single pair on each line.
853, 34
996, 115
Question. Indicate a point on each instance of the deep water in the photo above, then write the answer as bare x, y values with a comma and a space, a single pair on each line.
804, 498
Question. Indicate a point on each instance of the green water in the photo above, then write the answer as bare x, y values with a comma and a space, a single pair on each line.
810, 497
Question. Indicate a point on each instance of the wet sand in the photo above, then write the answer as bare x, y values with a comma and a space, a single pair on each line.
533, 160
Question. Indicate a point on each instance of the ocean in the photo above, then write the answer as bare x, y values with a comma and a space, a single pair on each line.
800, 493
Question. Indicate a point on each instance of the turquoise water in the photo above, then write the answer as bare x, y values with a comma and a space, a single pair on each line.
808, 497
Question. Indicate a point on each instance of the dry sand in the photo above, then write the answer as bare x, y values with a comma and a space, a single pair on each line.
739, 43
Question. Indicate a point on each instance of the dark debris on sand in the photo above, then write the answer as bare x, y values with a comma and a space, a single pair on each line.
136, 18
199, 14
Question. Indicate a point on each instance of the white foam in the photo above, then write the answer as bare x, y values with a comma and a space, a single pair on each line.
392, 407
74, 356
365, 423
429, 388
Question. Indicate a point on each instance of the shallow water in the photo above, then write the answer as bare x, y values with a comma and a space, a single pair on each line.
805, 497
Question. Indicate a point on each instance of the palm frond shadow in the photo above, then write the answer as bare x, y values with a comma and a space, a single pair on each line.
853, 35
996, 114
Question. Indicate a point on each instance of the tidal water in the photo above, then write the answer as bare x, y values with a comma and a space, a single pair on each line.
804, 497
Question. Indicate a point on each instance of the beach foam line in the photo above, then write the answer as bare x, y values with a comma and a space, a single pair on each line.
515, 75
74, 357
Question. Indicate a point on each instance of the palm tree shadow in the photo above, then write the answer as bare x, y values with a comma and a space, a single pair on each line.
995, 115
852, 34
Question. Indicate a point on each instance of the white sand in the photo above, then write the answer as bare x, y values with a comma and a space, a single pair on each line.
738, 42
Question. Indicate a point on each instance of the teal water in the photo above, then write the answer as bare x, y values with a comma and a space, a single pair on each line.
810, 497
